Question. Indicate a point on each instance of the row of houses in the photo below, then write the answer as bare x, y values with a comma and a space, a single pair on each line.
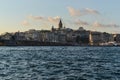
64, 35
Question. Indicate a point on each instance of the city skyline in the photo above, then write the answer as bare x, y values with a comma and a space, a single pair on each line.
41, 14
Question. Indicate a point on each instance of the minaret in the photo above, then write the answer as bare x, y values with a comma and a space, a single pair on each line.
60, 24
52, 28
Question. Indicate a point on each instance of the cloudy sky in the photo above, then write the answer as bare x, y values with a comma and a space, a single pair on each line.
100, 15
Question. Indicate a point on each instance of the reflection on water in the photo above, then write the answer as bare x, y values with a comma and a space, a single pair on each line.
59, 63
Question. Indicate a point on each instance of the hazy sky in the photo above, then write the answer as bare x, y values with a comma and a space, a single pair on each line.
100, 15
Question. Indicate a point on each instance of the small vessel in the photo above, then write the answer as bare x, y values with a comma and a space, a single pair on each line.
112, 43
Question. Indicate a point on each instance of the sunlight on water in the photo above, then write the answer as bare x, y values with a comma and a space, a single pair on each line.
59, 63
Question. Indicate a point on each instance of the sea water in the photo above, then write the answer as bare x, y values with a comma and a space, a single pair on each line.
59, 63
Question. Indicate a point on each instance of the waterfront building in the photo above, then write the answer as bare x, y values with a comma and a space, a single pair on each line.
117, 38
106, 37
81, 36
45, 35
19, 36
62, 38
96, 38
6, 36
33, 35
90, 39
55, 37
69, 36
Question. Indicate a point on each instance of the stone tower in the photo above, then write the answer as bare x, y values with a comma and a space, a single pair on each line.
60, 24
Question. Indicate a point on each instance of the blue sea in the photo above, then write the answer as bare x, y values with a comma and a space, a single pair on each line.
59, 63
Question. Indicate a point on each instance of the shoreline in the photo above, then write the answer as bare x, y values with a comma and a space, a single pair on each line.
57, 46
38, 43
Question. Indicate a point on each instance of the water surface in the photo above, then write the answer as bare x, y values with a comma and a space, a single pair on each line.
59, 63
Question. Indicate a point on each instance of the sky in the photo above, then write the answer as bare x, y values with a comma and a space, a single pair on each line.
95, 15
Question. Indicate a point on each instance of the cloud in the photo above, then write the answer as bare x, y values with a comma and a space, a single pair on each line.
90, 11
97, 24
54, 19
42, 20
86, 11
74, 12
36, 17
114, 25
25, 23
81, 23
46, 19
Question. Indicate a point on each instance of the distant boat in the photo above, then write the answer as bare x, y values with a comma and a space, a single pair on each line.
112, 43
